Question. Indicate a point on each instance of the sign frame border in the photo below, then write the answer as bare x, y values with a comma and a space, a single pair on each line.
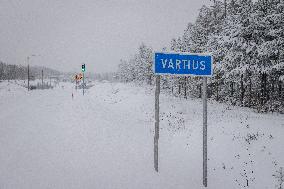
183, 53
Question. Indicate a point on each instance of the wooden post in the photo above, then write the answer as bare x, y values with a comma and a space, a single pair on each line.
157, 119
205, 131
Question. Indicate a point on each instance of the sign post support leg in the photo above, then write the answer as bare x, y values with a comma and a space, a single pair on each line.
205, 131
156, 137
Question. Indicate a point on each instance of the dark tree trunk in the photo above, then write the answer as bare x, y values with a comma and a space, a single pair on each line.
225, 4
250, 92
272, 88
280, 90
150, 80
232, 89
266, 94
217, 91
263, 89
185, 87
200, 92
242, 90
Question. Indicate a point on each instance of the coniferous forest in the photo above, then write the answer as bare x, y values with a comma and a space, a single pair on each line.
246, 39
11, 72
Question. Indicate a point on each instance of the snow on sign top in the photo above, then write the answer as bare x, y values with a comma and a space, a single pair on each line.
183, 64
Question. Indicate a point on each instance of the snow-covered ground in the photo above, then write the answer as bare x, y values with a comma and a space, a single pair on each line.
104, 140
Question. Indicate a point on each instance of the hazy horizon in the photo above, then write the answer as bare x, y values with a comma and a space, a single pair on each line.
65, 34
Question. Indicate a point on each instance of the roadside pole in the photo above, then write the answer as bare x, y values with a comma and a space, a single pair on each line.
28, 61
157, 119
83, 83
83, 70
42, 79
205, 131
28, 76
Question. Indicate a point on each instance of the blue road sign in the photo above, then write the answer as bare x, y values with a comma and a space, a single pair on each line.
183, 64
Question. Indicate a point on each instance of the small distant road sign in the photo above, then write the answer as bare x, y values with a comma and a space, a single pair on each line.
78, 76
183, 64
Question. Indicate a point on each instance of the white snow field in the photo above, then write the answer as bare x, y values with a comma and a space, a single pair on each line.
104, 140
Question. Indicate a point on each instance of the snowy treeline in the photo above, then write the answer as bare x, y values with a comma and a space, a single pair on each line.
139, 68
246, 39
9, 72
109, 76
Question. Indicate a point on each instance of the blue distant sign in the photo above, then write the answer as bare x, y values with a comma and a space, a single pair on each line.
183, 64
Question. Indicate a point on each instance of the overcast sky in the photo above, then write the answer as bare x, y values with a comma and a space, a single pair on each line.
66, 33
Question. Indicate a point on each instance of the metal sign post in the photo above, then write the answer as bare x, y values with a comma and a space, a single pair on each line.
42, 79
28, 77
83, 84
83, 70
205, 131
183, 64
156, 137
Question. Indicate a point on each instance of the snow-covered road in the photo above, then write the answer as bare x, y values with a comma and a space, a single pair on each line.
104, 140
